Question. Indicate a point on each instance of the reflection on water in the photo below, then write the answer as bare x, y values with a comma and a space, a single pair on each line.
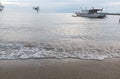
53, 26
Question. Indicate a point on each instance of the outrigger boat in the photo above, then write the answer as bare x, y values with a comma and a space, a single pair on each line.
91, 13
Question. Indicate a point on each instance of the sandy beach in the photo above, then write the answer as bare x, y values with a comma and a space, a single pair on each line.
60, 69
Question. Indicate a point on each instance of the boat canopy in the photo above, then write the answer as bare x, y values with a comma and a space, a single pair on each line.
94, 10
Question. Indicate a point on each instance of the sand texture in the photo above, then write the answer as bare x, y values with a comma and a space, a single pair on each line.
60, 69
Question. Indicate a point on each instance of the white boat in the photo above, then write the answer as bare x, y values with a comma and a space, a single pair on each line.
91, 13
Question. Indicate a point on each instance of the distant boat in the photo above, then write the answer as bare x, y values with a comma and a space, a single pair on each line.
1, 7
36, 9
91, 13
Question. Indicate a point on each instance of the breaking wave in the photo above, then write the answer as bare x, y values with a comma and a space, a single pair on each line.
60, 50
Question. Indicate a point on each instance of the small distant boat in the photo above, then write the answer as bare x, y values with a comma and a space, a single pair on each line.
36, 9
91, 13
1, 7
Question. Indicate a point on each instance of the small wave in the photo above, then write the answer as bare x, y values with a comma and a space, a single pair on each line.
60, 50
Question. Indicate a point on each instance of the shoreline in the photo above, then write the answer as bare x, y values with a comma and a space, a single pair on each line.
60, 69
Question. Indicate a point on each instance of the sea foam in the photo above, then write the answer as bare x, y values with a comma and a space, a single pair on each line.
61, 50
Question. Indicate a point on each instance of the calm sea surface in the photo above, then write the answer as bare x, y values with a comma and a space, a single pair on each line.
58, 35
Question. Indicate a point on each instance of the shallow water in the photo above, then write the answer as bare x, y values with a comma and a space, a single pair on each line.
58, 35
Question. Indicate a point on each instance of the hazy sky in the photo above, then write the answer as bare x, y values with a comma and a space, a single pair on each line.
61, 5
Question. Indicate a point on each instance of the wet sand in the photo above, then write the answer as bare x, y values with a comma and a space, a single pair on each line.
60, 69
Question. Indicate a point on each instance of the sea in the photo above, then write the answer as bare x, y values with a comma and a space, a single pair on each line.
58, 36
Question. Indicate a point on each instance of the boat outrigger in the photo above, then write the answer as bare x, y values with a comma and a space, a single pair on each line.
91, 13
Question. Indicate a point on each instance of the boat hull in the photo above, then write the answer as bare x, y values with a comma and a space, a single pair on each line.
96, 15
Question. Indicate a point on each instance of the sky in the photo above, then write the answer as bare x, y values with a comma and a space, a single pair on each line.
60, 5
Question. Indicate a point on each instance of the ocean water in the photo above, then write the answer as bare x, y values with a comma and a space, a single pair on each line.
58, 35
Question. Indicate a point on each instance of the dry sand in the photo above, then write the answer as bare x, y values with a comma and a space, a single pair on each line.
60, 69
